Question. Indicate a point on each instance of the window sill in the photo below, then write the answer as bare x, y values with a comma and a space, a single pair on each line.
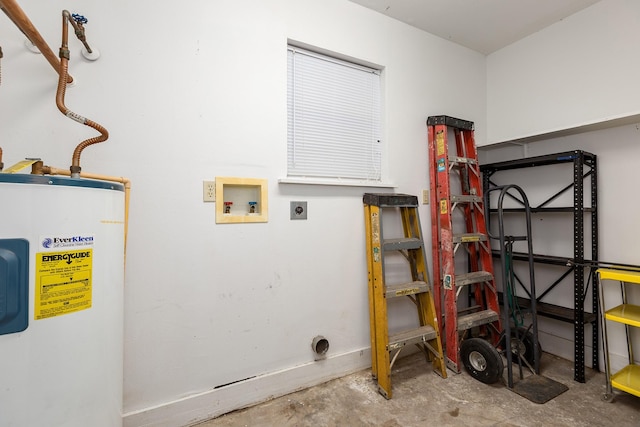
337, 182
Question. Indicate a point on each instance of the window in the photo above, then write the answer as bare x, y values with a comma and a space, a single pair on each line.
333, 119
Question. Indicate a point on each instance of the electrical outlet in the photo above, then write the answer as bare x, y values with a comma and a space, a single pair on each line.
425, 197
208, 191
298, 210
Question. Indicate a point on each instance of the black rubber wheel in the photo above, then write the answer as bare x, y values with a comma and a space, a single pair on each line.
522, 346
481, 360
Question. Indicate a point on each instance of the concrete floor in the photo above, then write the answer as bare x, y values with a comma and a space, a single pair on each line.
421, 398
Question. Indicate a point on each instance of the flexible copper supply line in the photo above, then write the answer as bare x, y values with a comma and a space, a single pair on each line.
60, 93
20, 19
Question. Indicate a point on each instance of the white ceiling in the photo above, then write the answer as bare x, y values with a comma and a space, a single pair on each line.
482, 25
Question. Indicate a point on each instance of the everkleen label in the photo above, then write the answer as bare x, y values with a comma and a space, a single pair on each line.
65, 241
63, 282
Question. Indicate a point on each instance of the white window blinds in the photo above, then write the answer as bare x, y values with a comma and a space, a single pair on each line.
333, 118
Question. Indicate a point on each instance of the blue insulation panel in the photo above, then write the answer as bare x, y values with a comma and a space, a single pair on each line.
14, 285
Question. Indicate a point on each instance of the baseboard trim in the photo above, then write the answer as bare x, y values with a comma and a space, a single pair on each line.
212, 403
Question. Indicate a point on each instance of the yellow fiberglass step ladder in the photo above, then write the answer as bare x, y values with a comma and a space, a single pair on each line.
386, 347
471, 330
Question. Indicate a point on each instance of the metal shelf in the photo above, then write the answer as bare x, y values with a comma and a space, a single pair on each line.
566, 209
543, 259
553, 311
583, 216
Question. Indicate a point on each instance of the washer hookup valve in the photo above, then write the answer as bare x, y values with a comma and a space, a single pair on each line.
252, 207
227, 207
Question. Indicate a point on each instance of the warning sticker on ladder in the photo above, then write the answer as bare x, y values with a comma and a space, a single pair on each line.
447, 282
444, 207
375, 228
63, 282
440, 143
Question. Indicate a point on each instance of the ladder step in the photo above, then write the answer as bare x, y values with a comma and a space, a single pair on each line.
390, 200
402, 244
412, 336
450, 122
474, 277
465, 198
469, 238
478, 318
456, 160
403, 289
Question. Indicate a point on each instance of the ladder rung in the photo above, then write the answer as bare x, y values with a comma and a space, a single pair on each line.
414, 336
478, 318
465, 198
469, 238
450, 122
474, 277
403, 289
402, 244
462, 160
390, 200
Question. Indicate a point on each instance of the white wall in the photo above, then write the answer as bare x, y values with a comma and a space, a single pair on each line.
579, 71
199, 91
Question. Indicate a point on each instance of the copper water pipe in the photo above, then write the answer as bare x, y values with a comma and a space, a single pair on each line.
21, 20
64, 67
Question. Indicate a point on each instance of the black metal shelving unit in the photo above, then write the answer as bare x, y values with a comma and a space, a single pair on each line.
584, 166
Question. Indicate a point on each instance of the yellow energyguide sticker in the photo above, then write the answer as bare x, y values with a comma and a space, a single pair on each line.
63, 282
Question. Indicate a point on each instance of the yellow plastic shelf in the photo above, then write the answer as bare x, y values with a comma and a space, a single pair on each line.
619, 275
628, 314
627, 379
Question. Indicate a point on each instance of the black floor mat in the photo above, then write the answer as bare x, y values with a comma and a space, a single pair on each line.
539, 389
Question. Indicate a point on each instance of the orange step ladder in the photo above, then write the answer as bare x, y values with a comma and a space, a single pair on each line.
469, 334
